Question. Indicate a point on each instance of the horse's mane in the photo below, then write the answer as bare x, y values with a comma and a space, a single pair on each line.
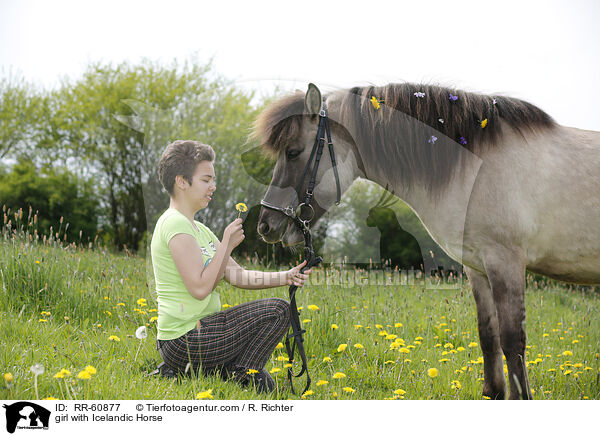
400, 132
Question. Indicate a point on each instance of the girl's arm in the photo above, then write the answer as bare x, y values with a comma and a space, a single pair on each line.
200, 281
250, 279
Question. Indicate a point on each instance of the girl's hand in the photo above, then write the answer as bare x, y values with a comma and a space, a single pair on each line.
234, 234
295, 277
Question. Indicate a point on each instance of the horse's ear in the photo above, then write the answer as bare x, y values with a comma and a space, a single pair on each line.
312, 100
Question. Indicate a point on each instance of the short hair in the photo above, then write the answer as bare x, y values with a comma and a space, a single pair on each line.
181, 158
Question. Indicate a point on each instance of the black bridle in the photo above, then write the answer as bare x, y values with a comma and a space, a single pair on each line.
295, 213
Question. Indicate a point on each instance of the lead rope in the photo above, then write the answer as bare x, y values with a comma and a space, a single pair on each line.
297, 331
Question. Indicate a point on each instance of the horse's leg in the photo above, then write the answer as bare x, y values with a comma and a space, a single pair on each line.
506, 273
494, 385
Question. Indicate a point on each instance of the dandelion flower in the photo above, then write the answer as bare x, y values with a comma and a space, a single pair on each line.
455, 385
334, 326
37, 369
8, 377
205, 395
348, 389
252, 371
322, 382
375, 102
338, 375
357, 326
359, 346
84, 375
484, 123
404, 350
432, 372
279, 346
89, 369
153, 319
342, 347
43, 320
567, 353
114, 338
141, 302
307, 394
241, 207
399, 392
326, 359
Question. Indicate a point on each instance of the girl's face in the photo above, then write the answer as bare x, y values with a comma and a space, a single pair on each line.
203, 185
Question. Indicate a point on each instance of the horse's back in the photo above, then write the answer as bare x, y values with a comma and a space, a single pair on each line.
542, 196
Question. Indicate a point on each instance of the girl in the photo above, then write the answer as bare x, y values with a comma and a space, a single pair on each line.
189, 262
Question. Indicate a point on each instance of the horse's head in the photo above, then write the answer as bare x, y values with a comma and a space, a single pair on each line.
287, 130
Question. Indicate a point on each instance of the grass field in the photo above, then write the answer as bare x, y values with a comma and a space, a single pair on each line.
66, 308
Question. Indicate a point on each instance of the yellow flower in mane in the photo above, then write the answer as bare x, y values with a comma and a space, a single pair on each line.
484, 123
375, 102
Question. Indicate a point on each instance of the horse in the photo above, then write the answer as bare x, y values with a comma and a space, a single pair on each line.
498, 184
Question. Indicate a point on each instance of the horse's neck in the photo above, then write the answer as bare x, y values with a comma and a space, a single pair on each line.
443, 214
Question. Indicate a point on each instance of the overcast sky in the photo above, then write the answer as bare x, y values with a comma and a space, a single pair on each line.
544, 52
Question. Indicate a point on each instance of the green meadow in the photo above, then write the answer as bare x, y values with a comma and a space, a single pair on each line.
71, 312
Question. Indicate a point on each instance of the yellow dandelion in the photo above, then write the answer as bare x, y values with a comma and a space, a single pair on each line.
84, 375
399, 392
379, 326
391, 337
313, 307
338, 375
90, 369
375, 102
252, 371
359, 346
114, 338
404, 350
484, 123
357, 326
8, 377
153, 319
43, 320
44, 313
342, 347
398, 324
389, 362
287, 365
275, 370
205, 395
455, 385
567, 353
348, 389
241, 207
322, 382
279, 346
334, 326
308, 393
472, 344
49, 398
141, 302
460, 349
432, 372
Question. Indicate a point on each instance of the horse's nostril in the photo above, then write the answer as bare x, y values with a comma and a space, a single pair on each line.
263, 228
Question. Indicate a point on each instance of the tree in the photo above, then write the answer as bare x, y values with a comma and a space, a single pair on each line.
49, 194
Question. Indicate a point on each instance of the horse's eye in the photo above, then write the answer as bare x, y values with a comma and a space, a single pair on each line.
292, 154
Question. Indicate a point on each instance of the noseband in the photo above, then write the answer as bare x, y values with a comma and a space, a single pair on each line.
296, 214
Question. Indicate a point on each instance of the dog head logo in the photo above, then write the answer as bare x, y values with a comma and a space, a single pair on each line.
24, 414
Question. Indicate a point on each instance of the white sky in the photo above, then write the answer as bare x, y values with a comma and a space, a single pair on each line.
544, 52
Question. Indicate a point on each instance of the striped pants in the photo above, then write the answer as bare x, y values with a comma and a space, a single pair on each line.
234, 340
